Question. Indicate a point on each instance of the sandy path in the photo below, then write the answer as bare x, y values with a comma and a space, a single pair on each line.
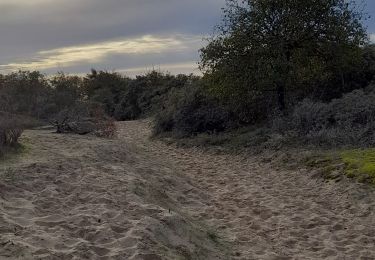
74, 197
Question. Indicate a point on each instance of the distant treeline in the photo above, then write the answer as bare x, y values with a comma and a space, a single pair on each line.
37, 95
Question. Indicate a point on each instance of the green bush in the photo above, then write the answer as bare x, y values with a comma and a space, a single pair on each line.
191, 111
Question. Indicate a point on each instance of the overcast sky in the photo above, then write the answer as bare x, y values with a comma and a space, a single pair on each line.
130, 36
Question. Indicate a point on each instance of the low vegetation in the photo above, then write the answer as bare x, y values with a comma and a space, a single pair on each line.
360, 164
345, 121
357, 164
11, 128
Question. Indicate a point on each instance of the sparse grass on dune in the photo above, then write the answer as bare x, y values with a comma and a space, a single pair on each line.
12, 152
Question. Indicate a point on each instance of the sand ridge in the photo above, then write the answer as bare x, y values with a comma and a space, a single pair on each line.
79, 197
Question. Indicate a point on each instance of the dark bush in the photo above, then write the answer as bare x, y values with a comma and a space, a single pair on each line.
200, 116
24, 93
191, 111
129, 107
349, 120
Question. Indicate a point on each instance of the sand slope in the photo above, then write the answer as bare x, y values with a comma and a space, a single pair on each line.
75, 197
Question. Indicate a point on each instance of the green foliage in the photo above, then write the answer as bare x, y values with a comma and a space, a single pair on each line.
144, 96
349, 120
105, 88
24, 92
67, 91
357, 76
360, 164
32, 94
190, 111
274, 47
128, 99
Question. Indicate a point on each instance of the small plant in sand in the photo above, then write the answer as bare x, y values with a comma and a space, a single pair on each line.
213, 235
11, 128
8, 175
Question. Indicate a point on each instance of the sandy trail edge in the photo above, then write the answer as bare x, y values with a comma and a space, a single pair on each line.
76, 197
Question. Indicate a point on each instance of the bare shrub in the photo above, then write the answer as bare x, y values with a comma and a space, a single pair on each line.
84, 119
9, 136
11, 128
67, 120
191, 111
104, 125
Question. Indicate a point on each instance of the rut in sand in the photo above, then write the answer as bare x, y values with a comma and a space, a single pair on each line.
80, 197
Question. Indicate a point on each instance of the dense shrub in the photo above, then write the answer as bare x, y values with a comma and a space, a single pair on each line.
349, 120
128, 99
200, 115
105, 88
190, 111
24, 93
65, 92
145, 96
129, 107
35, 95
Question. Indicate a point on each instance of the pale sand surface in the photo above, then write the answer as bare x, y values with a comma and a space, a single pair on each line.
80, 197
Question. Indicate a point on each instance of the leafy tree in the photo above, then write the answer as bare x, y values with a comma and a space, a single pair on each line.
358, 72
129, 108
105, 88
275, 45
67, 91
24, 92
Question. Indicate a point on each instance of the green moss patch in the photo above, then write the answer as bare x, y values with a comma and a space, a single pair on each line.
360, 164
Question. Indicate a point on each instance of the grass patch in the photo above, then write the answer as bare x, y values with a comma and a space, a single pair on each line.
357, 164
360, 164
213, 236
9, 153
8, 156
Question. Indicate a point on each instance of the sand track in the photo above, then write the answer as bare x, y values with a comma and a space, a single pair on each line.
75, 197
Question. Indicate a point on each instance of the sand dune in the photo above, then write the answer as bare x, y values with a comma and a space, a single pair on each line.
75, 197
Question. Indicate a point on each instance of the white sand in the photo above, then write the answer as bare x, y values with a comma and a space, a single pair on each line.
74, 197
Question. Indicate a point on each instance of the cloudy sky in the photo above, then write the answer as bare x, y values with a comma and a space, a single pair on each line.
130, 36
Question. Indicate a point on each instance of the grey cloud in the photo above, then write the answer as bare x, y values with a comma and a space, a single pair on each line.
31, 26
28, 27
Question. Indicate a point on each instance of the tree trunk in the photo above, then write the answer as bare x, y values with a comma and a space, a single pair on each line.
281, 97
282, 84
342, 81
